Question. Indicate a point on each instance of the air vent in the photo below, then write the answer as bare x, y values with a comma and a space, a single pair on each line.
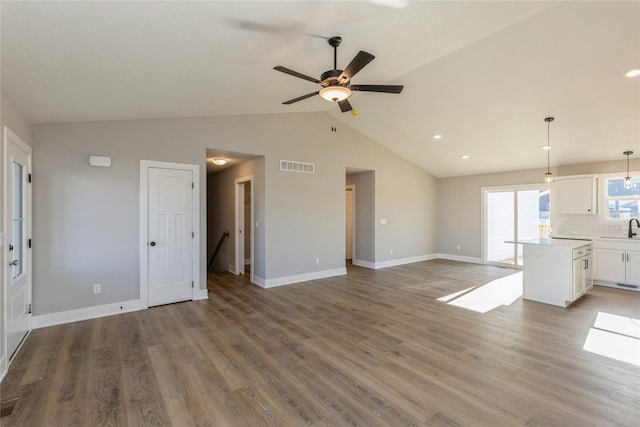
291, 166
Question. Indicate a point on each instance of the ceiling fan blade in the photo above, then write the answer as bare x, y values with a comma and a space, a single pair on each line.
378, 88
345, 105
295, 74
300, 98
356, 64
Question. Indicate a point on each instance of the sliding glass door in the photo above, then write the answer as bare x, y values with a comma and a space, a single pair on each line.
510, 215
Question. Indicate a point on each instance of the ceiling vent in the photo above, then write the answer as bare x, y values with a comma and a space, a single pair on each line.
291, 166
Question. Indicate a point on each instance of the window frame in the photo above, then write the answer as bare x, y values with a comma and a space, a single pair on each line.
605, 198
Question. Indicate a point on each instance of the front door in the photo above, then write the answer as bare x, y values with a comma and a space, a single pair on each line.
170, 235
17, 251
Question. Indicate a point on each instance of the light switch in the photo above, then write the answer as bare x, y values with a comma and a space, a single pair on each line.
383, 221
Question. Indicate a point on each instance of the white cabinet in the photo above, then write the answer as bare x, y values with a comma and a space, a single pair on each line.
576, 195
557, 272
582, 275
619, 264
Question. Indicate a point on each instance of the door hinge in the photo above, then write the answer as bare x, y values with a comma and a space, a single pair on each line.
192, 283
193, 234
29, 243
10, 248
29, 308
29, 178
193, 185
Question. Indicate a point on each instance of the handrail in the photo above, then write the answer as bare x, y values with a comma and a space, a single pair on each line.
220, 242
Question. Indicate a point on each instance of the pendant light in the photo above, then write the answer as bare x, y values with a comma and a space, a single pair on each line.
548, 177
627, 179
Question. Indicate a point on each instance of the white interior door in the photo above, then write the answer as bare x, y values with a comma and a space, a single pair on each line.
17, 231
170, 235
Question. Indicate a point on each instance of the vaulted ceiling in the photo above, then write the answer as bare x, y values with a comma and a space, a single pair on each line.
484, 75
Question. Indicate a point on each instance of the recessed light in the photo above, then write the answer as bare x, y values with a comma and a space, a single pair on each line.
465, 156
437, 136
546, 147
219, 162
633, 73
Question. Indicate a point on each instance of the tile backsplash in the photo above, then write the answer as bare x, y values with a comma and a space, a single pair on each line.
588, 225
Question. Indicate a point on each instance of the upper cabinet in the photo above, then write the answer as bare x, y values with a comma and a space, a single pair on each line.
576, 194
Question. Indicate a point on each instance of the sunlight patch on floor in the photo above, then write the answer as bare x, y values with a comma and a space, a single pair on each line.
503, 291
615, 337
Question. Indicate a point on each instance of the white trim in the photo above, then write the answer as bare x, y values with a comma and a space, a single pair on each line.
144, 206
287, 280
231, 268
361, 263
62, 317
203, 294
259, 281
451, 257
3, 367
403, 261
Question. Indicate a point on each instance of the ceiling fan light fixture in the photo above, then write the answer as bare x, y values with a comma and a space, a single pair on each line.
633, 73
219, 161
335, 93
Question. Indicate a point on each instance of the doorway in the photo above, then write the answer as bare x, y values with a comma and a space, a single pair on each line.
169, 216
243, 225
349, 224
17, 231
511, 215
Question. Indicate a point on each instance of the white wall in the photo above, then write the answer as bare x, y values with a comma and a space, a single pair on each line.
86, 219
11, 117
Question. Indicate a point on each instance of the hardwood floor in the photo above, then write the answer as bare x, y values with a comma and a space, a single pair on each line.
371, 348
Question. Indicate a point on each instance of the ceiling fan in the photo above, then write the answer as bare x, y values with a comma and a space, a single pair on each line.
336, 84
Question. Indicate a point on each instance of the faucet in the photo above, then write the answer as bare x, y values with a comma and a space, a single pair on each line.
631, 233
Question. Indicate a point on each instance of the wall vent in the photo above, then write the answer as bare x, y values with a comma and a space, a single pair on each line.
291, 166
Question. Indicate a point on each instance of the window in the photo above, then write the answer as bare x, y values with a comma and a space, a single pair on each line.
620, 203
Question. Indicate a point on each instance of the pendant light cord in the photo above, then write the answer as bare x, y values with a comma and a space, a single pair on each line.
548, 147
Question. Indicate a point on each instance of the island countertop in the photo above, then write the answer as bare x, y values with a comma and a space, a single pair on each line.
572, 243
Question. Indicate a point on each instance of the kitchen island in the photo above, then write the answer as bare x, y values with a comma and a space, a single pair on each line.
556, 271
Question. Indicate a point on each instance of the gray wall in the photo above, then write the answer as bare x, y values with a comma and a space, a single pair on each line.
460, 201
221, 214
86, 219
364, 215
14, 120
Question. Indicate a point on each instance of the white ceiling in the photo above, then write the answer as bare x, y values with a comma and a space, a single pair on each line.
484, 74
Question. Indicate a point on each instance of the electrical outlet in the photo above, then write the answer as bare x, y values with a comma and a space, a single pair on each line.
97, 288
317, 260
458, 247
391, 251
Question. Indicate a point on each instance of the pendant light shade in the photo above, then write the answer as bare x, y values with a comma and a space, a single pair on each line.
627, 179
548, 177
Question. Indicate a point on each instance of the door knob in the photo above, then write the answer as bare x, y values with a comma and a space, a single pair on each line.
14, 262
152, 244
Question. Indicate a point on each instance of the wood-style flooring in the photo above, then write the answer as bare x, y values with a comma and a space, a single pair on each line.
373, 348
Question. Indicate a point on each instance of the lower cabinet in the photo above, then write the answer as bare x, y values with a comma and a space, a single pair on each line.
582, 275
617, 265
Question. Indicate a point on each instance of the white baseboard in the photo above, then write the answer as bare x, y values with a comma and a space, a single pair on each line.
52, 319
231, 268
461, 258
287, 280
203, 294
402, 261
259, 281
361, 263
3, 367
393, 262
